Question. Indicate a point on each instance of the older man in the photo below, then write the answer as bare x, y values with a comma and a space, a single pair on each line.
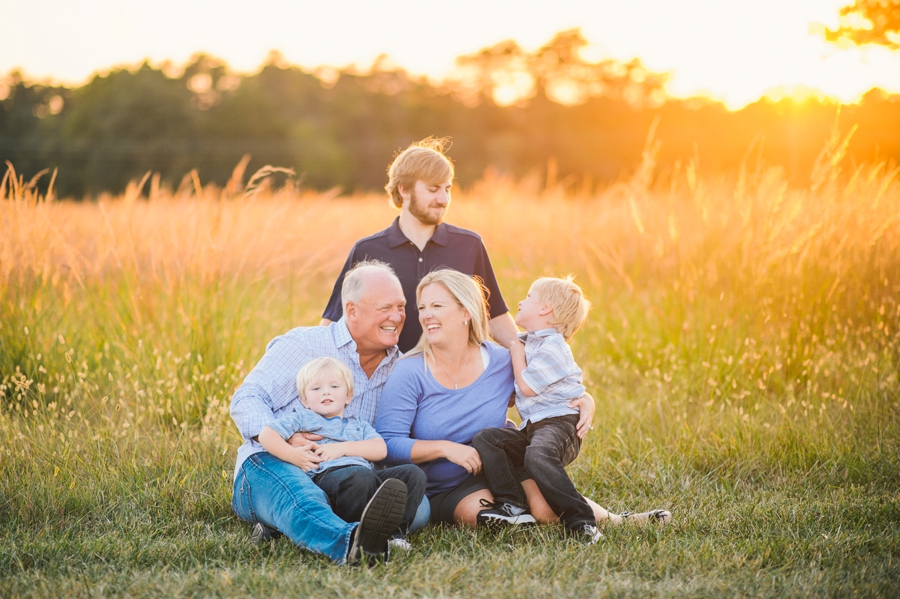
278, 495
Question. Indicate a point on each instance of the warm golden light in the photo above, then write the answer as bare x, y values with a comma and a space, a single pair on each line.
734, 52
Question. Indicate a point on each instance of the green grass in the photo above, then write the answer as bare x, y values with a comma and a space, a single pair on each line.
743, 353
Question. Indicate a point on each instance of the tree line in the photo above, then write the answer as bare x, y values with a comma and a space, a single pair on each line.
509, 109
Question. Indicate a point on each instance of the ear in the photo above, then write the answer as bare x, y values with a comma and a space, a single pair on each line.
350, 311
545, 310
404, 193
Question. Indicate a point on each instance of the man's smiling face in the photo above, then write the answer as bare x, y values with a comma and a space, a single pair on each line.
376, 321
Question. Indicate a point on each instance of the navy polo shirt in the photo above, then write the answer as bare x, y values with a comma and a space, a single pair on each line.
449, 247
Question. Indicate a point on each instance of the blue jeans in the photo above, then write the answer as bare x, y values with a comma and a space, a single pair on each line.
284, 497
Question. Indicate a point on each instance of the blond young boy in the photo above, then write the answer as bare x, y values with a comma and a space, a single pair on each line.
341, 463
547, 380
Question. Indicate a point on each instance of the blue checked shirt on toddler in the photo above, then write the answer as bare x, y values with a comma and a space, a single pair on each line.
270, 390
333, 430
552, 374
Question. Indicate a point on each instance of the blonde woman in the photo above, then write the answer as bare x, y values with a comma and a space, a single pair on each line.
450, 386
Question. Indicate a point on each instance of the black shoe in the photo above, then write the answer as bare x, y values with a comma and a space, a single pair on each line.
261, 533
503, 513
380, 519
586, 533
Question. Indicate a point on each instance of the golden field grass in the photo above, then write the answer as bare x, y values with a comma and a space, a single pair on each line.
743, 352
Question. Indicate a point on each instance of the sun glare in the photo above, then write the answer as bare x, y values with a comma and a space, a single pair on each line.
732, 52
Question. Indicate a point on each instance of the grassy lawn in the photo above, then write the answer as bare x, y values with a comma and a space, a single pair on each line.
743, 352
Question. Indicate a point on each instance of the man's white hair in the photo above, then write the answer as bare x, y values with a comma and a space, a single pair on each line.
354, 285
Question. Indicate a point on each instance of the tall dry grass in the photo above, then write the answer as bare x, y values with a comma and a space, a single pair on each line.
744, 341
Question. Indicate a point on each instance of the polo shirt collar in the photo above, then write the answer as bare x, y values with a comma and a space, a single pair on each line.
545, 332
342, 337
341, 334
540, 333
396, 238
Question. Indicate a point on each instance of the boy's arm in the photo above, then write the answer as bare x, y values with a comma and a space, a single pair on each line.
373, 450
517, 353
302, 457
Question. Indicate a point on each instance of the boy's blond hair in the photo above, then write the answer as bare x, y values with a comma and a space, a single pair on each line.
313, 369
570, 307
422, 161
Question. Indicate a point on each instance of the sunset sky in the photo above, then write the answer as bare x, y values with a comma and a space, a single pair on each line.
731, 51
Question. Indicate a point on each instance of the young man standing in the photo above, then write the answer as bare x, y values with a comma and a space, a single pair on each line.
419, 242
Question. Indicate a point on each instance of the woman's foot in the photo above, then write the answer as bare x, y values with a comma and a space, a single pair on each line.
654, 516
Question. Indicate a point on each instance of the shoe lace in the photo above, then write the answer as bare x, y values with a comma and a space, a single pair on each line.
489, 504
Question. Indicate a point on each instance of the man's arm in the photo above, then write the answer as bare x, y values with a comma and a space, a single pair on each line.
270, 386
503, 329
334, 309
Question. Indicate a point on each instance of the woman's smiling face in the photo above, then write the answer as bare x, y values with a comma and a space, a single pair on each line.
441, 316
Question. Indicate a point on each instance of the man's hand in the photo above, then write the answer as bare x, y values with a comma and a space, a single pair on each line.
331, 451
586, 407
463, 455
303, 439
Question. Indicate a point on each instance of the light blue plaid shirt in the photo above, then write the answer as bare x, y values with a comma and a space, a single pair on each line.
551, 373
270, 390
333, 430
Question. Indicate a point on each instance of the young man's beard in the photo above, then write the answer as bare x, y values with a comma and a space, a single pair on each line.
421, 213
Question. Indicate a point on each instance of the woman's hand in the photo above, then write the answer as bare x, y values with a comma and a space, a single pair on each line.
463, 455
586, 407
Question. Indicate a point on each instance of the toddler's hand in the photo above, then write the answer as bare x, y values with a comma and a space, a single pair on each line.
516, 347
331, 451
305, 457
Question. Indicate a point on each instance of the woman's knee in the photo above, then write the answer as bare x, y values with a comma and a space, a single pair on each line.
466, 511
538, 506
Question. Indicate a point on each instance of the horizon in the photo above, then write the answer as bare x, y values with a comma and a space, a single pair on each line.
735, 55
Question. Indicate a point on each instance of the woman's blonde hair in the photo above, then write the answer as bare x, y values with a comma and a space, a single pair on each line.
470, 293
570, 307
311, 370
422, 161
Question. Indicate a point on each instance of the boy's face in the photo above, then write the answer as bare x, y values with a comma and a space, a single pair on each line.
531, 312
326, 395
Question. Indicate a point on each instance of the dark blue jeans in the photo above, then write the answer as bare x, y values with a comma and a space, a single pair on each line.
349, 489
543, 449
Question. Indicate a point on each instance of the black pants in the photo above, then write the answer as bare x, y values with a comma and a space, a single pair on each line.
543, 449
349, 489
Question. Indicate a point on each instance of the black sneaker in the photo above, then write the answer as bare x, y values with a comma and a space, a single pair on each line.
261, 533
503, 513
586, 533
380, 519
